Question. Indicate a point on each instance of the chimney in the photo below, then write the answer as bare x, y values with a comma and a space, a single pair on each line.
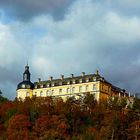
62, 77
51, 78
119, 94
134, 95
124, 95
72, 75
39, 80
83, 74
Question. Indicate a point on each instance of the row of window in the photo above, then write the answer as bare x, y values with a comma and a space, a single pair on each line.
68, 90
68, 82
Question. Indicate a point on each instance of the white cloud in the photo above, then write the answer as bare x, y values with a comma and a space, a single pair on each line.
10, 49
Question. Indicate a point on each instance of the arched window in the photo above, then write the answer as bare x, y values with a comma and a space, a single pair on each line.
80, 89
41, 93
27, 94
34, 93
68, 90
73, 89
52, 92
94, 87
60, 91
47, 93
87, 87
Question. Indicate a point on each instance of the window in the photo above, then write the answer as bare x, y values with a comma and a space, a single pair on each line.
60, 83
27, 86
73, 89
47, 92
68, 90
94, 79
60, 91
87, 87
80, 81
27, 94
73, 81
68, 82
23, 86
48, 85
34, 93
87, 80
103, 87
53, 84
52, 92
41, 93
94, 87
80, 89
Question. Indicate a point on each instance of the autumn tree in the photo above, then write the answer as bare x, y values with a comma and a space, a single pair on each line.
19, 128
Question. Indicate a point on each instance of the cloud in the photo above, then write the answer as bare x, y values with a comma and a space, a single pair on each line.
24, 10
90, 37
104, 40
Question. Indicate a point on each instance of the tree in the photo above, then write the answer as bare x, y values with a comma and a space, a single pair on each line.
2, 99
133, 131
19, 128
51, 127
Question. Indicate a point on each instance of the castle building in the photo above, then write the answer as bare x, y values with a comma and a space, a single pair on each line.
76, 86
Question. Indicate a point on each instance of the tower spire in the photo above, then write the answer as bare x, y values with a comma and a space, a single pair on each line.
26, 74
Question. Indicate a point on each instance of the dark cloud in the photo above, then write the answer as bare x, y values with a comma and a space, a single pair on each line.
93, 35
26, 9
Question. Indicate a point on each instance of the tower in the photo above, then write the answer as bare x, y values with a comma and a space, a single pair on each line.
25, 88
26, 74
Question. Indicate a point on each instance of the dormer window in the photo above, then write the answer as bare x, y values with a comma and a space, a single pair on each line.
27, 86
53, 84
35, 86
94, 79
73, 81
80, 81
23, 86
87, 80
48, 85
60, 83
68, 82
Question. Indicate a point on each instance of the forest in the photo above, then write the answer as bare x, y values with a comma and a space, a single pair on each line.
51, 118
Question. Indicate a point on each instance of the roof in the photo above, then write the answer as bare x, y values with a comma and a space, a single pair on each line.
25, 85
71, 80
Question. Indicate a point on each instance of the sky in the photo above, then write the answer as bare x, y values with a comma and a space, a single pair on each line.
70, 36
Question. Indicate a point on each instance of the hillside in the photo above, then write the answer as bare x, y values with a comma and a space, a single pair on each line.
83, 119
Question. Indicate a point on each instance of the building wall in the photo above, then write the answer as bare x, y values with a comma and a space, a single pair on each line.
105, 90
101, 90
23, 93
69, 90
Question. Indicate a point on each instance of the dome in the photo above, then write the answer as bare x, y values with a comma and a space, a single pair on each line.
25, 85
